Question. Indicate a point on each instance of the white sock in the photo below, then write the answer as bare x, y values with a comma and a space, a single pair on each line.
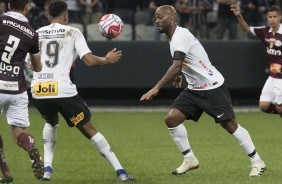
49, 140
103, 147
180, 137
244, 139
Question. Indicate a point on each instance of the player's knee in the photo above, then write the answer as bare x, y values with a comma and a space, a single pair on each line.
279, 109
265, 108
170, 121
229, 125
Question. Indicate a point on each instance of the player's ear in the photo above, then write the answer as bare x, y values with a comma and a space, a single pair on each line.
66, 17
49, 18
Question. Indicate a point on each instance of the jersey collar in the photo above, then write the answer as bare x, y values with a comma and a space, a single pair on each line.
17, 16
279, 30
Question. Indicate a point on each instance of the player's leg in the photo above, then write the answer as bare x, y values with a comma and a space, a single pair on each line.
103, 147
183, 109
27, 142
49, 141
76, 113
48, 110
224, 114
174, 121
267, 97
5, 171
279, 109
244, 139
278, 95
220, 108
17, 117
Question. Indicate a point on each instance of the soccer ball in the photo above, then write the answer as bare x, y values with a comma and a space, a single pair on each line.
110, 25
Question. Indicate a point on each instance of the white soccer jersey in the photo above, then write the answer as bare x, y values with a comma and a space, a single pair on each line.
59, 46
200, 74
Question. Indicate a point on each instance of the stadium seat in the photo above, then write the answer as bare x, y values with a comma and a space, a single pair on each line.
93, 33
144, 32
78, 26
126, 34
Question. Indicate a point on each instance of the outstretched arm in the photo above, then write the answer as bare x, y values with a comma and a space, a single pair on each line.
112, 57
169, 76
242, 22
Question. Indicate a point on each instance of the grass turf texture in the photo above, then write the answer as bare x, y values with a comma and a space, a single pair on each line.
144, 147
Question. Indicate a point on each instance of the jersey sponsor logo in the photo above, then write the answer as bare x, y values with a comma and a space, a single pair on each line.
9, 85
197, 86
275, 68
46, 88
77, 119
206, 68
18, 27
51, 36
9, 70
273, 52
56, 31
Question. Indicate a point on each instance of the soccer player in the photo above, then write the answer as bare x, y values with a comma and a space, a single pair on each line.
271, 37
17, 38
206, 92
53, 92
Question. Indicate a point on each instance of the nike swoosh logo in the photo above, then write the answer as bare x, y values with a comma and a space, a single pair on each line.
220, 115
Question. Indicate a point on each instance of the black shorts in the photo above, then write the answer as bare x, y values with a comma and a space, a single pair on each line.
215, 102
73, 109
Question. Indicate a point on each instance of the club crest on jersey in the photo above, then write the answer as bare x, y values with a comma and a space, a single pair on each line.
278, 43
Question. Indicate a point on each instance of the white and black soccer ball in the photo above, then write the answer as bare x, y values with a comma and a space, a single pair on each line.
110, 25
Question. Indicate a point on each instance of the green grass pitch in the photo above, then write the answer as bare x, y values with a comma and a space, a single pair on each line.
145, 149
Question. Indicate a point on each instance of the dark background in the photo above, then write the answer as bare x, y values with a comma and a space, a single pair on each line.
242, 63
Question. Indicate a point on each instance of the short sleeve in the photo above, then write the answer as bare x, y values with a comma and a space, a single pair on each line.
35, 46
81, 44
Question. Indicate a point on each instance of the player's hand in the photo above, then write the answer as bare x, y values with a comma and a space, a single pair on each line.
235, 9
177, 81
150, 94
113, 56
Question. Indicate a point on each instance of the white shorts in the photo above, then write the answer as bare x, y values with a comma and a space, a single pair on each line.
272, 91
16, 107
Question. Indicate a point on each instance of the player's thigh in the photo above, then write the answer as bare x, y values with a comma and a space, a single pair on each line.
267, 93
218, 104
186, 103
17, 110
277, 88
48, 109
75, 111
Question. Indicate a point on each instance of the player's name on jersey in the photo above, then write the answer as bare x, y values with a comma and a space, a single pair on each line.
18, 27
45, 76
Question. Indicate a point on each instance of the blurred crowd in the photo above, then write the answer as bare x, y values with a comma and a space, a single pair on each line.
207, 19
